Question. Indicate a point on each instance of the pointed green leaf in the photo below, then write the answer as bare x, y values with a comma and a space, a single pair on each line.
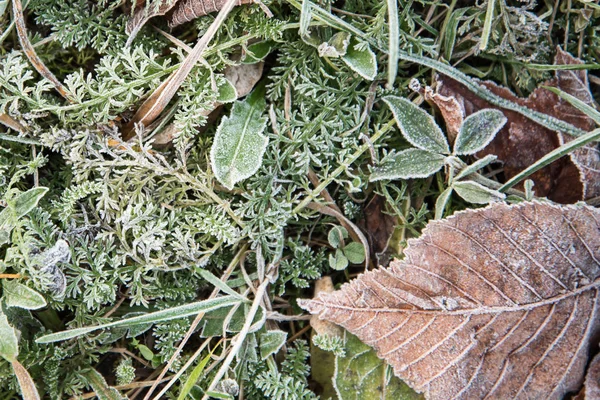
239, 144
9, 343
476, 166
409, 164
338, 260
417, 126
18, 295
355, 252
441, 202
194, 377
478, 130
335, 47
361, 59
361, 375
271, 342
476, 193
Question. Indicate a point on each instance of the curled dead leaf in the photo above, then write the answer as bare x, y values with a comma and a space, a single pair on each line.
522, 142
499, 302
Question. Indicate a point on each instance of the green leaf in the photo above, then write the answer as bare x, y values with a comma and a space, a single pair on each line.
222, 286
257, 52
338, 260
336, 236
145, 352
18, 295
361, 59
451, 30
409, 164
417, 126
336, 47
227, 92
228, 318
194, 377
361, 375
478, 130
219, 395
153, 317
9, 343
21, 205
476, 193
476, 166
355, 252
441, 202
239, 144
271, 342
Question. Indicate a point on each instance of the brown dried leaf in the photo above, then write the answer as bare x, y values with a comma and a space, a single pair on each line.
188, 10
451, 110
522, 142
498, 302
592, 380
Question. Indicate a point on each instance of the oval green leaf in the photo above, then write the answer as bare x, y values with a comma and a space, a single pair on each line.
417, 126
478, 130
18, 295
409, 164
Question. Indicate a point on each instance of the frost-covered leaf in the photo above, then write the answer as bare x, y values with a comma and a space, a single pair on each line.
360, 375
22, 204
478, 130
355, 252
338, 260
440, 203
239, 144
361, 59
336, 47
9, 342
18, 295
271, 342
417, 126
499, 302
409, 164
336, 236
227, 92
521, 142
476, 193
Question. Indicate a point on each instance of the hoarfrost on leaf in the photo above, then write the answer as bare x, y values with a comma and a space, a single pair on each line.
239, 144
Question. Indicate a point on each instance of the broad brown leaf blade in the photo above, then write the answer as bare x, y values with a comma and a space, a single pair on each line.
522, 142
498, 302
143, 13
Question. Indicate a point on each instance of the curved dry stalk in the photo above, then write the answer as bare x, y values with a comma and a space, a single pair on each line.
32, 55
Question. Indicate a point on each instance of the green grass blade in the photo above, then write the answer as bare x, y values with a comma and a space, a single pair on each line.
193, 378
578, 104
153, 317
394, 42
551, 157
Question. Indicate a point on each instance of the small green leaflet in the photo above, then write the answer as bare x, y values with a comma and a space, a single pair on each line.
9, 344
239, 144
417, 126
478, 130
361, 59
227, 92
271, 342
409, 164
476, 193
18, 295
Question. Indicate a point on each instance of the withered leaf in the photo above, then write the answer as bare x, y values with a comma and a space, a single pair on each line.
522, 142
499, 302
178, 12
592, 380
